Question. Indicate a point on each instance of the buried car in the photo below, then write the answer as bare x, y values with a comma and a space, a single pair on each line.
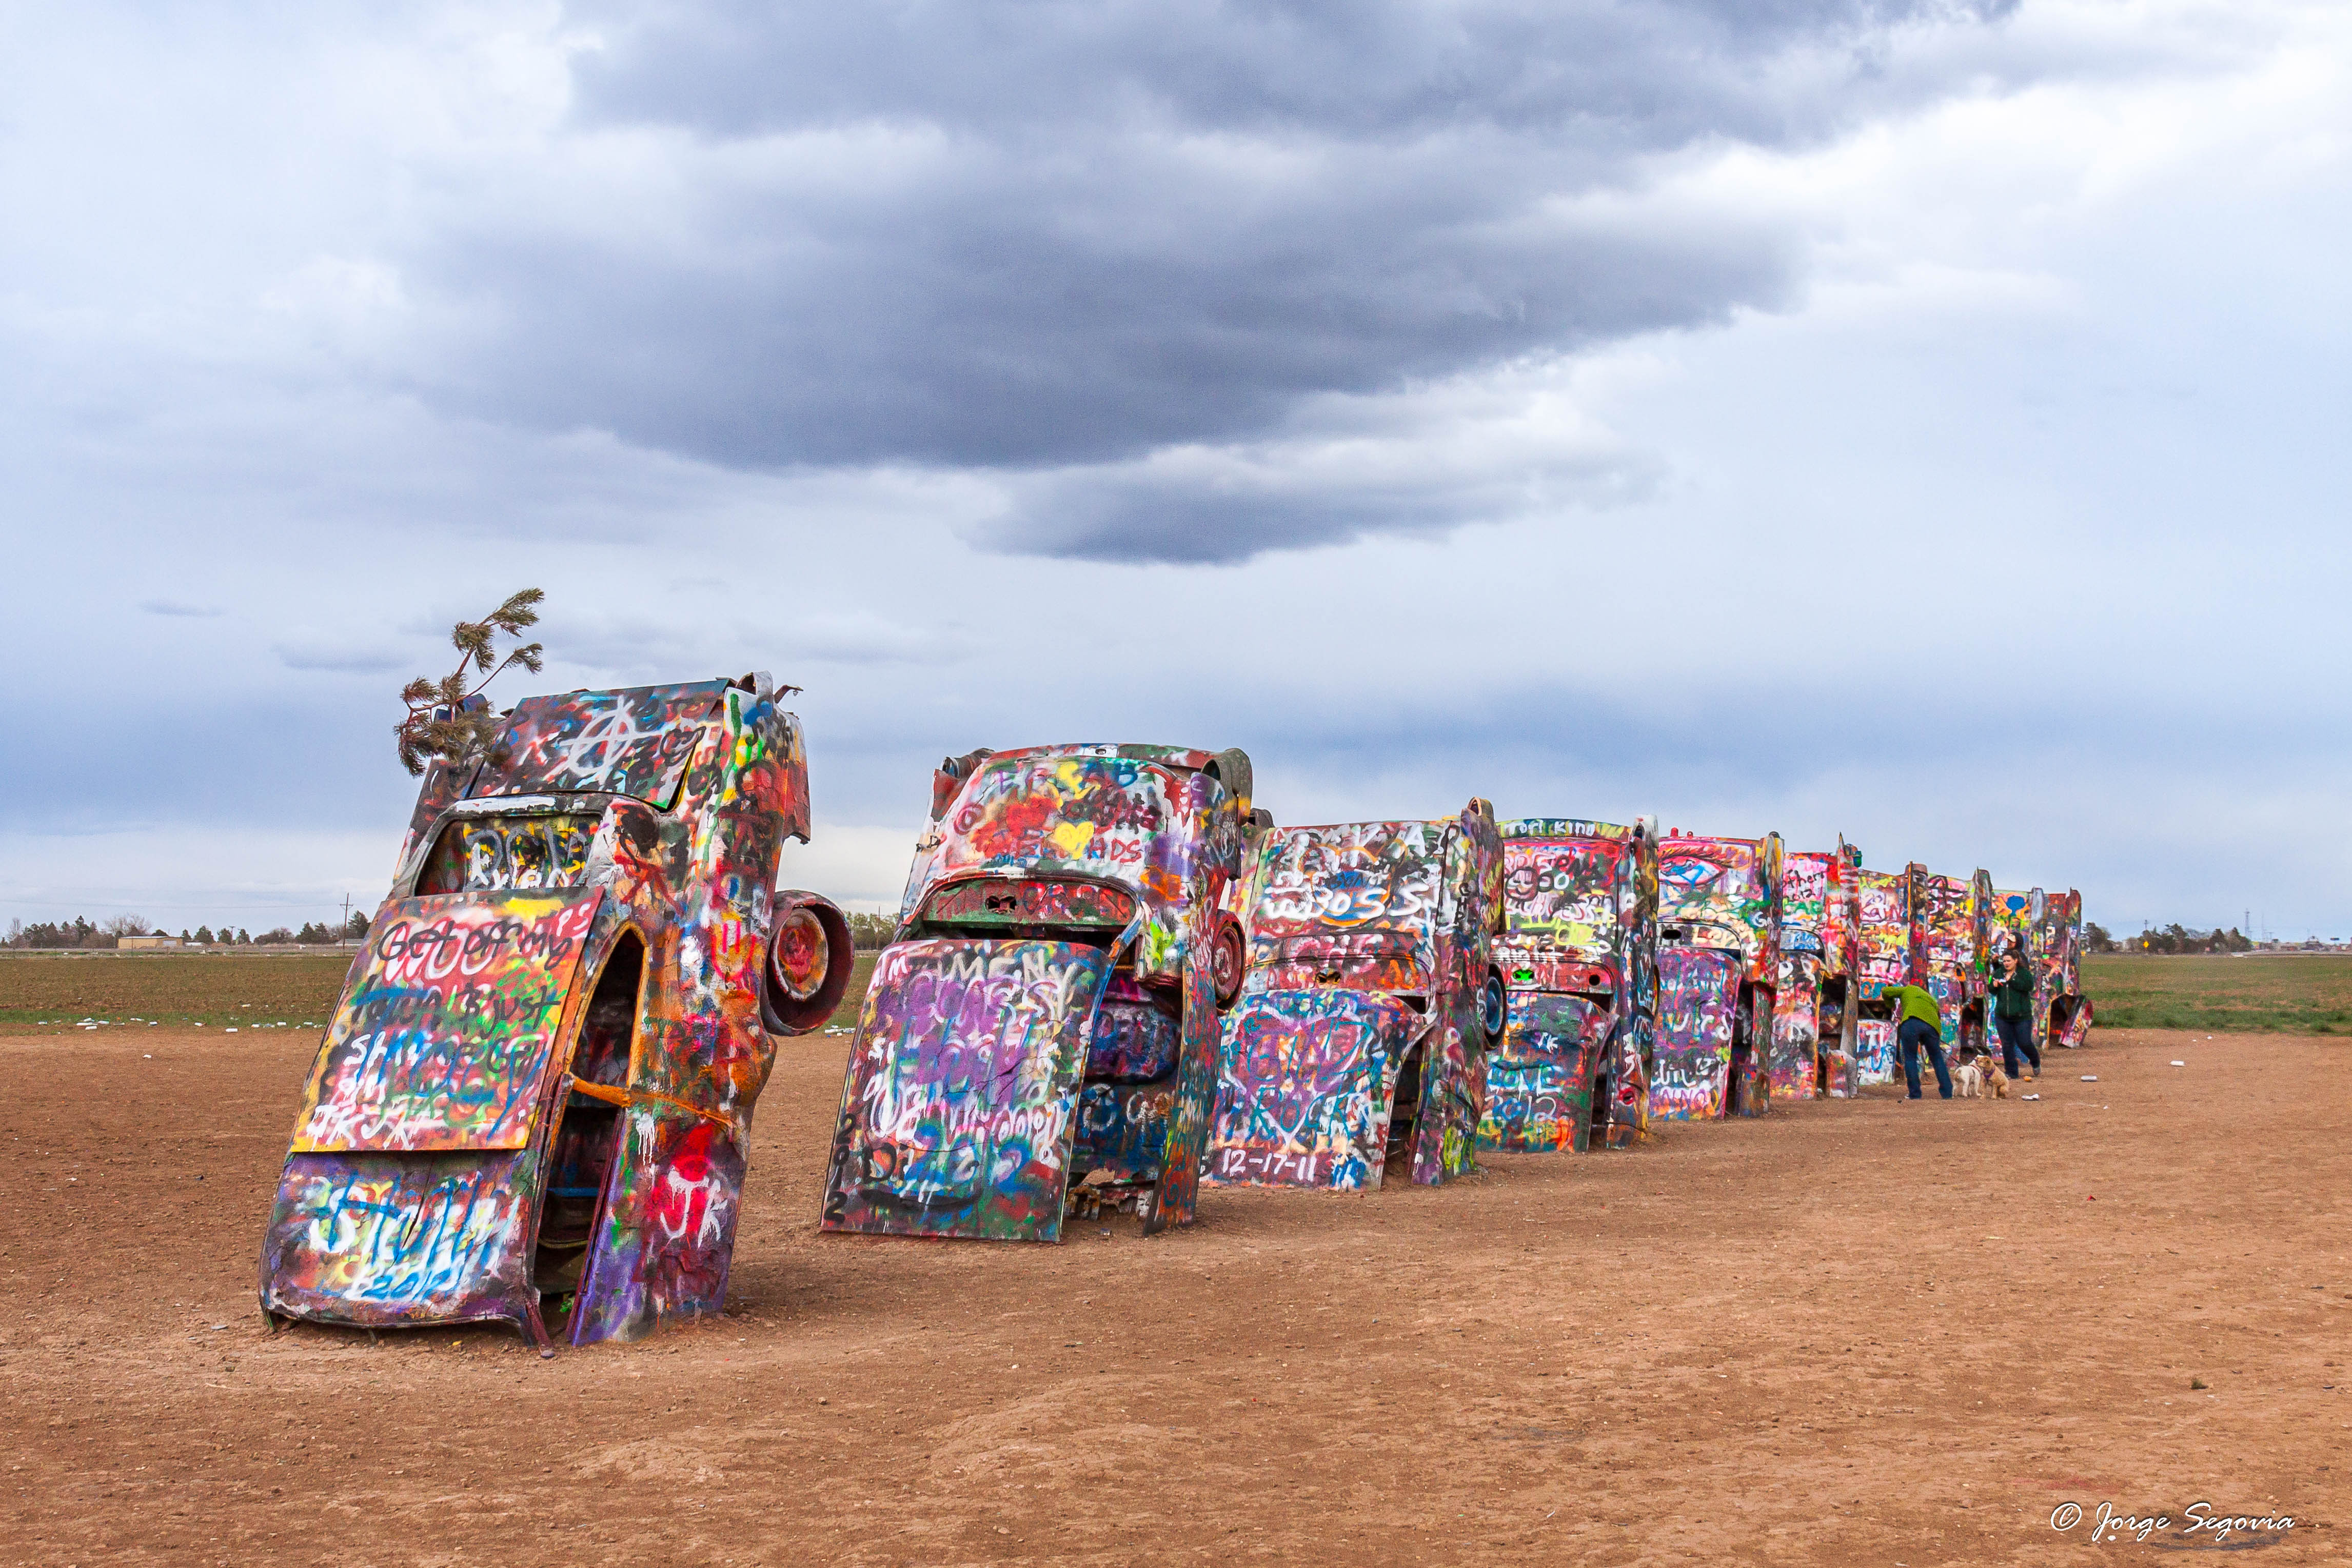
1882, 957
1813, 1052
1718, 961
1040, 1032
1952, 922
2062, 1013
533, 1102
1369, 1005
1579, 955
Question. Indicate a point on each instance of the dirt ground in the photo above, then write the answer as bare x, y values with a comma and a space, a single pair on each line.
1849, 1333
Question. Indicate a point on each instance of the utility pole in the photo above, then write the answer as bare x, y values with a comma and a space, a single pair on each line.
344, 930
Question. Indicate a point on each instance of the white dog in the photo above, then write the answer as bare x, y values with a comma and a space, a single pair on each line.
1972, 1081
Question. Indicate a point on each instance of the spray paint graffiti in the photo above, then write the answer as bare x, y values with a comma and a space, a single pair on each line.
1881, 959
1045, 1018
957, 1116
1303, 1094
1329, 1064
1812, 1044
1719, 897
1578, 953
445, 1035
534, 1097
2064, 1012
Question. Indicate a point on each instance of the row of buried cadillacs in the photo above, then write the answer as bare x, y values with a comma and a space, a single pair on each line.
1113, 977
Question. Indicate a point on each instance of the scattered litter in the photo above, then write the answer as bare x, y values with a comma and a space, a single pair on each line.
231, 1030
2090, 1197
146, 1056
2090, 1077
2033, 1096
2180, 1064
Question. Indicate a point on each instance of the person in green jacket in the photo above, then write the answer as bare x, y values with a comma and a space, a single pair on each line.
1919, 1020
2013, 1012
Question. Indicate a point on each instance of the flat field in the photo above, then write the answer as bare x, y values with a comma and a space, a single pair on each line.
2295, 993
1865, 1331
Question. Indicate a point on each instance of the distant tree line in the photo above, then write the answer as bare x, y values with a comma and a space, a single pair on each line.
2178, 938
79, 933
868, 932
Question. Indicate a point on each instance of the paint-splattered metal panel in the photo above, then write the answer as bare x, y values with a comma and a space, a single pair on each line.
2013, 911
1539, 1082
1698, 994
1563, 893
1302, 1096
448, 1027
1804, 899
1348, 878
1084, 809
634, 742
381, 1238
669, 1226
1793, 1057
1949, 925
1883, 932
957, 1116
1873, 1052
1716, 883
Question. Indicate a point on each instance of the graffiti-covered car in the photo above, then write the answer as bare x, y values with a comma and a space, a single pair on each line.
1369, 1006
1882, 957
534, 1101
1579, 955
1718, 961
1952, 933
2063, 1011
1813, 1052
1042, 1029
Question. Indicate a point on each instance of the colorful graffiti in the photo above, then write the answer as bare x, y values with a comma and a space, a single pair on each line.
2063, 1013
532, 1101
1578, 953
1383, 911
1305, 1086
1154, 819
1719, 897
957, 1116
1873, 1052
636, 742
1539, 1082
1107, 865
445, 1034
1793, 1057
1699, 998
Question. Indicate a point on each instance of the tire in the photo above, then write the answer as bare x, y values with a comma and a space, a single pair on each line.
1228, 963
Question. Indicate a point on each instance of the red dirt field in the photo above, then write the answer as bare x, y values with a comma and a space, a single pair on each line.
1868, 1332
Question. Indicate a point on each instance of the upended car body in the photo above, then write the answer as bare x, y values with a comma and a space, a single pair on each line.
1718, 961
534, 1100
2062, 1012
1882, 957
1042, 1029
1579, 955
1370, 1004
1813, 1052
1952, 936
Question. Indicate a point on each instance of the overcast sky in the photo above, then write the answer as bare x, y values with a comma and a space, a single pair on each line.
1922, 421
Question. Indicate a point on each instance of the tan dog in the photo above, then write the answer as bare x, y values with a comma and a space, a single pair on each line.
1995, 1079
1969, 1081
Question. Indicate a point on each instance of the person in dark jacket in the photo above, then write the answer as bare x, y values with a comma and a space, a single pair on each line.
2012, 1013
1920, 1022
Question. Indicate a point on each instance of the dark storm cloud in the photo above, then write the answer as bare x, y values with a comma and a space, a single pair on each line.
1021, 236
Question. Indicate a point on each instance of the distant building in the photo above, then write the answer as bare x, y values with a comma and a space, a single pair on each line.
133, 944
